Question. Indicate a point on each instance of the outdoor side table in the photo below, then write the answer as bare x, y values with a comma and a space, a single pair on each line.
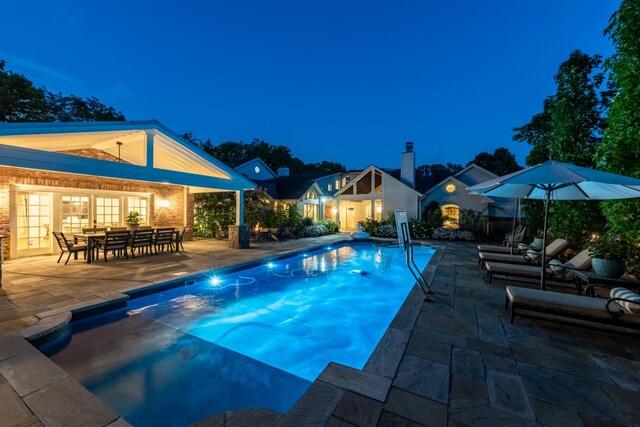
587, 278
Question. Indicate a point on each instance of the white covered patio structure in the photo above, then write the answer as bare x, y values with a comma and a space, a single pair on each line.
69, 176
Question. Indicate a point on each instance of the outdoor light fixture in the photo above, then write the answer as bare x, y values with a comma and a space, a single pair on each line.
163, 203
334, 211
378, 209
119, 144
450, 188
215, 281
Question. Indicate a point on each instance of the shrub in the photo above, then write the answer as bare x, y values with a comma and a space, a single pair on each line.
306, 221
370, 226
313, 231
420, 230
387, 230
331, 226
451, 234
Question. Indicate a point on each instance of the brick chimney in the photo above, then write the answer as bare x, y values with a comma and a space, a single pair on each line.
408, 166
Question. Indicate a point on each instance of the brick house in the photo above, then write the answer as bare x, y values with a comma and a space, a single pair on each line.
68, 176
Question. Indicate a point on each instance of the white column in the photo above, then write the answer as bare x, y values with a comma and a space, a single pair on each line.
240, 207
337, 216
373, 208
150, 136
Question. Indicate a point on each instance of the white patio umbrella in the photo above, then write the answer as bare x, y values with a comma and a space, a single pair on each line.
553, 180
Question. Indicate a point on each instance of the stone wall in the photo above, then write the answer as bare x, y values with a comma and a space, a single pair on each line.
178, 214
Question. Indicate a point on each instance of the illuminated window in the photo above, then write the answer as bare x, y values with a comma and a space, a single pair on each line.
451, 215
337, 184
75, 213
450, 188
107, 211
138, 204
329, 187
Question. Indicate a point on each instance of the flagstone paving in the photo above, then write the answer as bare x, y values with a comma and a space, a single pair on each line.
452, 361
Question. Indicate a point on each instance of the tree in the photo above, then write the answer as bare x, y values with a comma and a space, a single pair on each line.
569, 130
275, 156
537, 133
21, 101
501, 162
620, 148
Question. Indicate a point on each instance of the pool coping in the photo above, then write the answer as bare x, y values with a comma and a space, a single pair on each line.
372, 380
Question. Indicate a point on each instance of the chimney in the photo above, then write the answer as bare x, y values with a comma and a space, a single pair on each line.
408, 166
283, 172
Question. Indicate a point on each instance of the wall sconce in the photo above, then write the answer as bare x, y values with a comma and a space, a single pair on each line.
334, 210
378, 209
163, 203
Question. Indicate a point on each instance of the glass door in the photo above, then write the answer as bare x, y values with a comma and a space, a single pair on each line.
75, 214
33, 224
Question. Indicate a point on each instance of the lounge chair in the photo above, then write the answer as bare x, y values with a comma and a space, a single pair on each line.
515, 238
554, 272
621, 309
69, 247
554, 249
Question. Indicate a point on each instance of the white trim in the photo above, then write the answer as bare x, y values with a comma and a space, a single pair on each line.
57, 162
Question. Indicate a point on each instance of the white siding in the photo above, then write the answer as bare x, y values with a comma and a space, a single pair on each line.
398, 196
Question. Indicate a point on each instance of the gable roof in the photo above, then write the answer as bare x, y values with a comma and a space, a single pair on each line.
287, 187
262, 164
474, 166
148, 151
367, 170
458, 184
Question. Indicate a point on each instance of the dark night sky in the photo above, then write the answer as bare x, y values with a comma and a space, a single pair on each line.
343, 81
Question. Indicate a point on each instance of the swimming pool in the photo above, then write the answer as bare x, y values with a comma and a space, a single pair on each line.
255, 338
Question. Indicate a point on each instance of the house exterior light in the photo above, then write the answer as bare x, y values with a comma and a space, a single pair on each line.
450, 188
257, 169
164, 203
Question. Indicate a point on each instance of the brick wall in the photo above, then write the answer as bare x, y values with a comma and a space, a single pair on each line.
178, 214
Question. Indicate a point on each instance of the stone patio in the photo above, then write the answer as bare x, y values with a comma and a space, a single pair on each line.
453, 361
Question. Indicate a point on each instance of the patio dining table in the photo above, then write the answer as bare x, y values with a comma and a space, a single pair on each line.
91, 239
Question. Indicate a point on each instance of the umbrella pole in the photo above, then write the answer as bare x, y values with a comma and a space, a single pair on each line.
513, 228
543, 259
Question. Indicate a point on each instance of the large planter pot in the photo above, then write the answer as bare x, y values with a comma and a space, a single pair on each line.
133, 227
537, 243
608, 267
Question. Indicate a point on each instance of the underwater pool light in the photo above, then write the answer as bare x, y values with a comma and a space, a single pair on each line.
216, 281
270, 265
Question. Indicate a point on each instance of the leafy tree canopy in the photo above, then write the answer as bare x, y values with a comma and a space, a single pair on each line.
21, 101
501, 162
620, 148
275, 156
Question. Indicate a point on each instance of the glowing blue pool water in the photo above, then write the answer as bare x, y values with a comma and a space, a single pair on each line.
251, 339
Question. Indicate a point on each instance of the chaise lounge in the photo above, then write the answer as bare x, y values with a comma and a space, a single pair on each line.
554, 272
621, 309
554, 249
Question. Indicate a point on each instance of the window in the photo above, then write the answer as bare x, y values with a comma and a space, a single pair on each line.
107, 211
257, 169
138, 204
329, 187
450, 188
451, 215
75, 213
337, 184
312, 195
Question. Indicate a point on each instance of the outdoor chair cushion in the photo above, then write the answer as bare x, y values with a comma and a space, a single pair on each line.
557, 271
628, 295
553, 250
577, 306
